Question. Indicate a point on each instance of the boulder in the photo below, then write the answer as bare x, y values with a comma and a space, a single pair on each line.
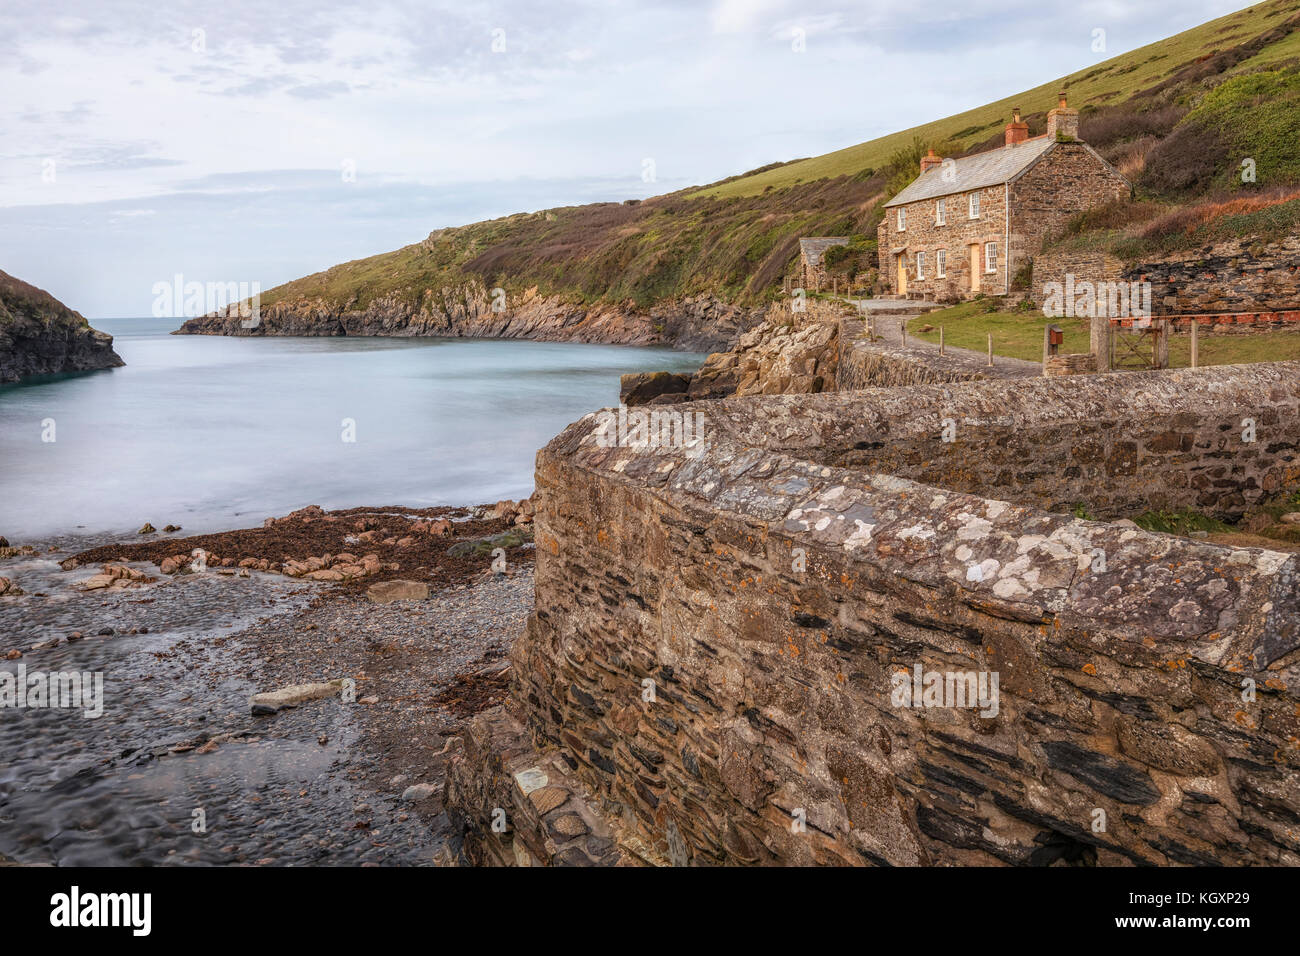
273, 701
420, 791
147, 528
399, 590
324, 574
639, 388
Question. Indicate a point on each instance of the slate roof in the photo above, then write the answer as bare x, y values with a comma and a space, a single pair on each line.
989, 168
812, 249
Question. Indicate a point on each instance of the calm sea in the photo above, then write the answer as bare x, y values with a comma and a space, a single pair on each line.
213, 433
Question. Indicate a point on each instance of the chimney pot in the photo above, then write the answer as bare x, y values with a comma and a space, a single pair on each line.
929, 161
1017, 129
1062, 121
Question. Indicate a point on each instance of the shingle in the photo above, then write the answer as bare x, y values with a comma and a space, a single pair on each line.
989, 168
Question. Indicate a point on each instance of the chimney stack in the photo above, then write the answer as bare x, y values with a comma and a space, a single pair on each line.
1017, 131
1062, 122
929, 161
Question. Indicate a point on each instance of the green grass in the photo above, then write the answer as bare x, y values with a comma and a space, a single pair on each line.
1180, 522
1110, 81
1020, 335
736, 239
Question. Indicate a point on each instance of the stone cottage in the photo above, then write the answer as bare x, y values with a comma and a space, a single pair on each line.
812, 270
965, 226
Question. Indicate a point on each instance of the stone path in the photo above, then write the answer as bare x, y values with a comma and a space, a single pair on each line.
888, 326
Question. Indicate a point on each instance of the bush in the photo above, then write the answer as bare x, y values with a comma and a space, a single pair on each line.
1189, 160
1266, 216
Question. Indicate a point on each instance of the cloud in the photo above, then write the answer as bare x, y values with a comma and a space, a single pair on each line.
247, 110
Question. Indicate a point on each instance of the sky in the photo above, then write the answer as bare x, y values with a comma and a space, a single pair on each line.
257, 141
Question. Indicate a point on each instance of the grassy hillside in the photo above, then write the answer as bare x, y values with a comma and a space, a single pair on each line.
21, 302
1177, 61
1177, 117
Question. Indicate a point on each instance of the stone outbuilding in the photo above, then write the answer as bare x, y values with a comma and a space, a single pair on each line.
812, 270
965, 226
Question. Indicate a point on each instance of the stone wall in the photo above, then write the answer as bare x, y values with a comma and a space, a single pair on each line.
1119, 445
721, 634
1070, 179
1240, 276
818, 350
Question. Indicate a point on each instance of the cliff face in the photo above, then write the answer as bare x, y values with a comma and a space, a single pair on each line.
39, 335
700, 324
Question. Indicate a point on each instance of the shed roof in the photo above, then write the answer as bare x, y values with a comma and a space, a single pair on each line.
989, 168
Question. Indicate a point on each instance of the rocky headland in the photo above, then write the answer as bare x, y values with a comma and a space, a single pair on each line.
39, 335
698, 324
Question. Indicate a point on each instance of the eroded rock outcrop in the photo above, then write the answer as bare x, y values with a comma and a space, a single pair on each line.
700, 323
39, 335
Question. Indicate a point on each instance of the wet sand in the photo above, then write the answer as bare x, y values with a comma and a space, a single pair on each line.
177, 770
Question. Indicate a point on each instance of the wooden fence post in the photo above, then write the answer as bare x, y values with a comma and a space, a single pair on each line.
1196, 344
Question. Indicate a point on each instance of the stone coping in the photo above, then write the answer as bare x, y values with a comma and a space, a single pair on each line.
1155, 597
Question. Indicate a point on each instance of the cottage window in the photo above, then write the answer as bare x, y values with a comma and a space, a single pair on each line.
902, 218
941, 264
941, 213
974, 205
990, 257
920, 265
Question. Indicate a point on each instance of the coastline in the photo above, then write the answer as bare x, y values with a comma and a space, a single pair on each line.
182, 654
692, 324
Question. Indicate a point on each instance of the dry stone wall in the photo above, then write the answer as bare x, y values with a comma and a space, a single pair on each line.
774, 593
1233, 277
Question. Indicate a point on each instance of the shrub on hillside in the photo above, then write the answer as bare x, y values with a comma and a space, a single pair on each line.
1189, 160
1267, 216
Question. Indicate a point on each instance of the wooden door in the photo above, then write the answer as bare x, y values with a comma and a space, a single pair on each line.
975, 265
902, 274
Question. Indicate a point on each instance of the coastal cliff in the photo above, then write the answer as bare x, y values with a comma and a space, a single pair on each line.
39, 335
702, 323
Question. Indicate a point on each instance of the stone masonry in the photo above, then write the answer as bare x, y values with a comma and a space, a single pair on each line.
1028, 190
1237, 277
722, 633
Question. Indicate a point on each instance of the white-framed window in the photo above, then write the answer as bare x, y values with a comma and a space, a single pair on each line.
920, 265
941, 264
990, 257
902, 218
941, 212
973, 205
